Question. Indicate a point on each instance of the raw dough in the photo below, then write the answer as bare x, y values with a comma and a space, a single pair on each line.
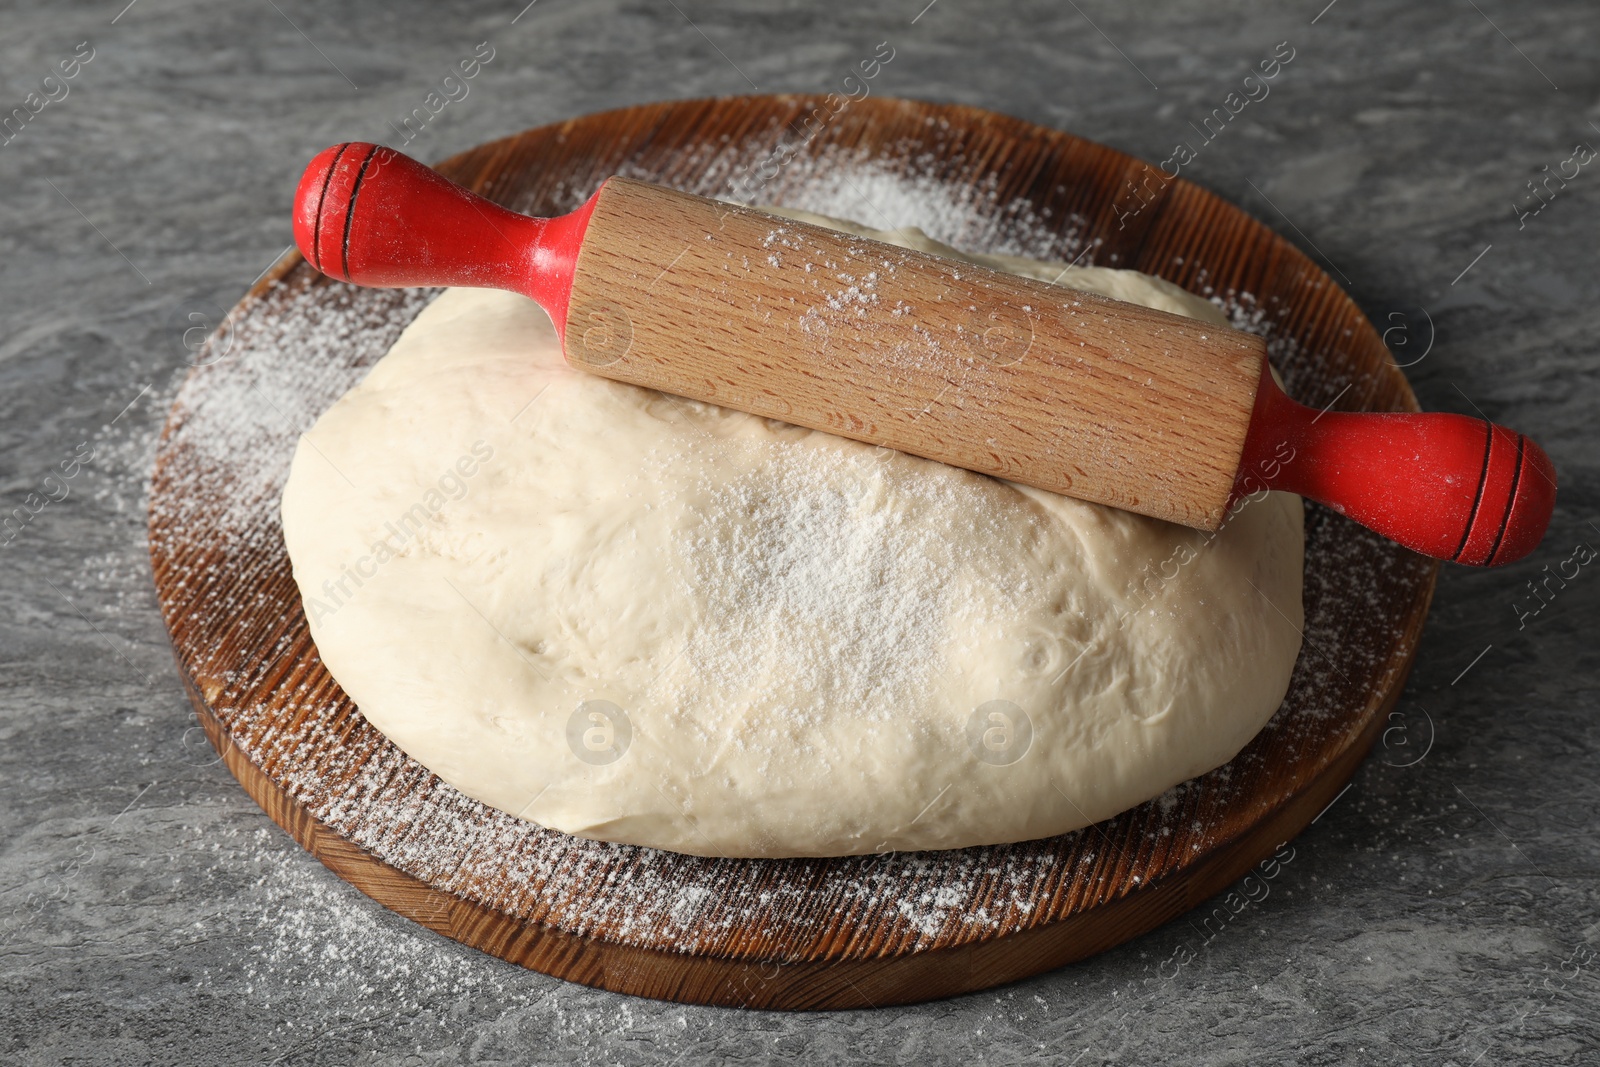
641, 619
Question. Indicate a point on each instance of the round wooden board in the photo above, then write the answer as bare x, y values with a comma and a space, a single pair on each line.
799, 934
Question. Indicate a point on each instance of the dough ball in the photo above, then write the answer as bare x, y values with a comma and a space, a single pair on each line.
643, 619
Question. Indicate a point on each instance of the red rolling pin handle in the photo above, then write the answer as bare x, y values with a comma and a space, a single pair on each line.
1444, 485
367, 214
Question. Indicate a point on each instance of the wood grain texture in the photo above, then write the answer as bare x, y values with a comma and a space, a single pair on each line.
1067, 391
797, 933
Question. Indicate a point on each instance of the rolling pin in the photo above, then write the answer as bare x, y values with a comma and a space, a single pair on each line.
1035, 383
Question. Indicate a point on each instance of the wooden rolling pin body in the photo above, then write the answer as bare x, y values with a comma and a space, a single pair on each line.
1009, 376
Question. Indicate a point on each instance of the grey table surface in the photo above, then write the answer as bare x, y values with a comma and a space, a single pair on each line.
1445, 910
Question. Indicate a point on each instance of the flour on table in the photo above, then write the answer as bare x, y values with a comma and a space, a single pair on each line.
638, 618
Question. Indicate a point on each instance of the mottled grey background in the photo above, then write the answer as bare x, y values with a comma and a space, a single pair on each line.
1444, 912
